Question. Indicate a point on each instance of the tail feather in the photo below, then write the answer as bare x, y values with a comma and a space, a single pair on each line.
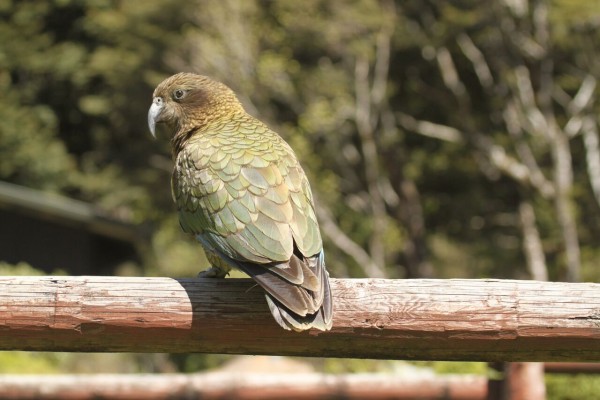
296, 306
284, 318
327, 302
290, 321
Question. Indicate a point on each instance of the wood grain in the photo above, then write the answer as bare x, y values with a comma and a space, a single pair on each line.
424, 319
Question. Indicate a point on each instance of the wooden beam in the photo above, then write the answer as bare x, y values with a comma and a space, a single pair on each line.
220, 385
424, 319
571, 368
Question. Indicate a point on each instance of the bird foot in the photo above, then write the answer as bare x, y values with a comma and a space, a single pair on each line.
213, 272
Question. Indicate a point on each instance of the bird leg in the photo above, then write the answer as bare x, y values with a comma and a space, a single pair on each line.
213, 272
218, 268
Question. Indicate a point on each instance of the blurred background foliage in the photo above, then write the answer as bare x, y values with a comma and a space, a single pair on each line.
442, 139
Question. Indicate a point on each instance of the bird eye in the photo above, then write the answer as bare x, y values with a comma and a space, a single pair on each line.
178, 94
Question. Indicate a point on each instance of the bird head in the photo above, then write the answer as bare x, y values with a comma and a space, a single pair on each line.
186, 102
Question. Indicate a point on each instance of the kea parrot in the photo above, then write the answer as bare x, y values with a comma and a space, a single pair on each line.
240, 190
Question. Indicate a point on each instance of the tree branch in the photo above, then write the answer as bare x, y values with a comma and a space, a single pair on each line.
365, 126
449, 73
592, 154
538, 179
496, 154
430, 129
482, 70
347, 245
532, 244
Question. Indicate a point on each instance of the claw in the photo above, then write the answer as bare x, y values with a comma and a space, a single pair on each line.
213, 272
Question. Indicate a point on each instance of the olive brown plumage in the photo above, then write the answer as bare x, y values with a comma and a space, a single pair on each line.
241, 192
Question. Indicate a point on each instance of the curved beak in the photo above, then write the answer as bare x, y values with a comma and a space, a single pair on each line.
154, 114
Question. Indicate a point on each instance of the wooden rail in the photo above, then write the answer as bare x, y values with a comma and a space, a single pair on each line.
476, 320
221, 385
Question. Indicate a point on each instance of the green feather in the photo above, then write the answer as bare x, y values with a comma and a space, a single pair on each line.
230, 222
277, 212
240, 212
279, 194
218, 199
259, 162
255, 177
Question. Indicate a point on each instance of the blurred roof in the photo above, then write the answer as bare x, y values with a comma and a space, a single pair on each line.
64, 210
